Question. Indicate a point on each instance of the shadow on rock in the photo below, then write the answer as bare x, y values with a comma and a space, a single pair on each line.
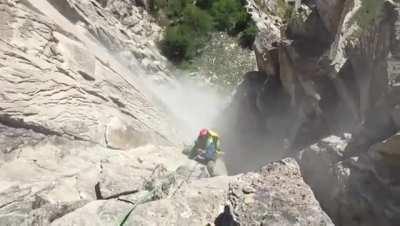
226, 218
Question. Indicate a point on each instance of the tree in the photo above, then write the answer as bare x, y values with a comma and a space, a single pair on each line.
176, 42
248, 36
198, 19
226, 14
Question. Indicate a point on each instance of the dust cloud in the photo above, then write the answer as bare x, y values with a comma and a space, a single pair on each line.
193, 103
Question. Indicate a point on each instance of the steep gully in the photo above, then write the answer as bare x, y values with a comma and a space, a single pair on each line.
292, 102
324, 94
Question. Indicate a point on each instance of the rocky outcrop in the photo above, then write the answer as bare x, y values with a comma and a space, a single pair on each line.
325, 68
58, 80
255, 198
84, 141
276, 195
223, 61
330, 12
318, 167
73, 110
328, 64
356, 191
61, 176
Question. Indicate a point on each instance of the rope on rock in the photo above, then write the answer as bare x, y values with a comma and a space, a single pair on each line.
151, 194
143, 200
186, 180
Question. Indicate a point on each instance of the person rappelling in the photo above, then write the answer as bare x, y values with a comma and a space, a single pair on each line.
207, 149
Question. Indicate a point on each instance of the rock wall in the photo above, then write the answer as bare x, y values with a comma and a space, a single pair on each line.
84, 141
324, 68
250, 199
357, 191
73, 106
328, 64
57, 79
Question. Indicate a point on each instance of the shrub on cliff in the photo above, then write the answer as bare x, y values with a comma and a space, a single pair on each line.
177, 43
248, 36
183, 41
191, 22
199, 20
226, 14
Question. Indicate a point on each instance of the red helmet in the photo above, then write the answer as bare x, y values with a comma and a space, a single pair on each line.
203, 132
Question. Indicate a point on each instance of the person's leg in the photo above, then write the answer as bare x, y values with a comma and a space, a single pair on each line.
211, 168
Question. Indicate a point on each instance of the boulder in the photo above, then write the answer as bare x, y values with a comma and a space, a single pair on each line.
357, 191
276, 195
62, 176
317, 164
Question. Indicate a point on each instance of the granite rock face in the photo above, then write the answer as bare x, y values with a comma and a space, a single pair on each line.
276, 195
57, 79
82, 137
73, 112
360, 190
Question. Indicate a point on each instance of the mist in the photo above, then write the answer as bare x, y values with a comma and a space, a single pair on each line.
194, 103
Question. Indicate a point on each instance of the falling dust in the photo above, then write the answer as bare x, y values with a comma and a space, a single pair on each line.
194, 103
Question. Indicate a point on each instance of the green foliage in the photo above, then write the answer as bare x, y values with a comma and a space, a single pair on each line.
284, 10
204, 4
190, 23
198, 19
248, 36
176, 42
157, 6
172, 8
369, 13
227, 13
175, 8
243, 21
182, 41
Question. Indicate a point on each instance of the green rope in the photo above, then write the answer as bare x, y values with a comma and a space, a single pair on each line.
144, 199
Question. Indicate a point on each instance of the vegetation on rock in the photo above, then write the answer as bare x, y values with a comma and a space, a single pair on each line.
189, 25
247, 36
284, 10
369, 13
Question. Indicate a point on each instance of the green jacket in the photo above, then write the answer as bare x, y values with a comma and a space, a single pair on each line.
204, 142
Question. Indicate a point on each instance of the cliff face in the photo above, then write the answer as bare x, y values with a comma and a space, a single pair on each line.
79, 124
69, 106
328, 76
324, 68
55, 71
355, 191
83, 140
